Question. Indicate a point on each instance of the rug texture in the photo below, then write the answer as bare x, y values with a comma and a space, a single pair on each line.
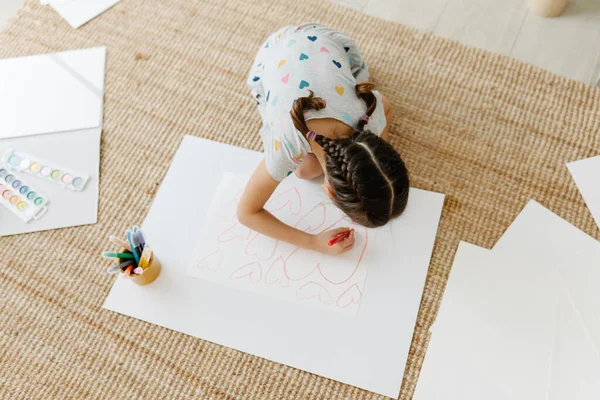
488, 131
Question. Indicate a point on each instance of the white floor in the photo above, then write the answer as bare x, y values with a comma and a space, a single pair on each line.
568, 45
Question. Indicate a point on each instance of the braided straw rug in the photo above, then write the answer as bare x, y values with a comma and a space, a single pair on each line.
488, 131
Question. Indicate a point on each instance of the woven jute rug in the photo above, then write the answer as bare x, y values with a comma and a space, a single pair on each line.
486, 130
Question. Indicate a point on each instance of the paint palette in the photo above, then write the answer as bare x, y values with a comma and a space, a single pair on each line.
35, 166
19, 197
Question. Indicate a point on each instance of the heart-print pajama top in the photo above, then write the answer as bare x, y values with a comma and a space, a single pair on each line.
292, 61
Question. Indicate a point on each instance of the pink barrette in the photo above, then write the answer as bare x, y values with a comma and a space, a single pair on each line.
311, 135
365, 119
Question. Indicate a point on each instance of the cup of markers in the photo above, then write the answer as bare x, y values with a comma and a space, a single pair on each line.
135, 260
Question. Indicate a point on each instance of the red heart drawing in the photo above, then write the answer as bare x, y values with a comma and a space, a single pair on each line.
212, 261
262, 247
312, 290
289, 198
275, 273
253, 271
329, 266
352, 295
300, 264
312, 220
236, 231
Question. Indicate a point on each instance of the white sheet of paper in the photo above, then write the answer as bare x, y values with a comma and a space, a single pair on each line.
492, 338
79, 150
537, 231
78, 12
575, 363
230, 254
368, 351
66, 99
585, 174
52, 92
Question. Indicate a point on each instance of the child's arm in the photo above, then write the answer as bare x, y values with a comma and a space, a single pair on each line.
252, 214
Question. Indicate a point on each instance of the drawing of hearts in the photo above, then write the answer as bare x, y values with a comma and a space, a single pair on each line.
324, 50
312, 38
212, 261
314, 290
312, 220
285, 78
300, 264
352, 295
276, 273
236, 231
320, 218
281, 64
289, 198
303, 84
337, 64
303, 57
339, 90
253, 271
262, 247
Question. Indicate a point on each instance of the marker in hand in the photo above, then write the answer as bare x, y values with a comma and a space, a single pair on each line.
340, 236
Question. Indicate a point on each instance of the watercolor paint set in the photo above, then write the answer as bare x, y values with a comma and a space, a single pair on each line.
20, 198
49, 171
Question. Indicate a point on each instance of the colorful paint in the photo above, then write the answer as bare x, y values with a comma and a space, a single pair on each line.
19, 197
67, 178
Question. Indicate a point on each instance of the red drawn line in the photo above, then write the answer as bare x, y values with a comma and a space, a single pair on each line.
285, 283
252, 270
289, 202
255, 253
309, 228
228, 235
343, 302
362, 253
305, 292
203, 262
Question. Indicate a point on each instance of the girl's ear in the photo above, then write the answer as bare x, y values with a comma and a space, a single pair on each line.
328, 189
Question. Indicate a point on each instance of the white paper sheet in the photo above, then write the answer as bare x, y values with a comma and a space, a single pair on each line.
230, 254
78, 12
79, 150
575, 362
553, 241
52, 92
492, 338
368, 351
586, 174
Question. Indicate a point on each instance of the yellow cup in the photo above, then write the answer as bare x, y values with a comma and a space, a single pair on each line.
151, 272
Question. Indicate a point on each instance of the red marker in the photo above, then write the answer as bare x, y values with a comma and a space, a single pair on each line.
340, 236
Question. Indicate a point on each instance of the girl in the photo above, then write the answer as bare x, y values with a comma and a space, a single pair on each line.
319, 119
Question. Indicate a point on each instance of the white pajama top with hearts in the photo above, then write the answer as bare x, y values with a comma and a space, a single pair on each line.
292, 61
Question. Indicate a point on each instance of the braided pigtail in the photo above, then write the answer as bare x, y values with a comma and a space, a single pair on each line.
300, 105
365, 92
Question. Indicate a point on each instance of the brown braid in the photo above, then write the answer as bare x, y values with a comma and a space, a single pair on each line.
368, 177
365, 92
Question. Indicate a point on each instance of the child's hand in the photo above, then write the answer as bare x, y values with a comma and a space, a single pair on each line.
320, 242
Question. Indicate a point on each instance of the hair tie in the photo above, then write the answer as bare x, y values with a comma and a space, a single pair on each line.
311, 135
365, 119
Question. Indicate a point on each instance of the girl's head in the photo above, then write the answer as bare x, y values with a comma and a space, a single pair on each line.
368, 179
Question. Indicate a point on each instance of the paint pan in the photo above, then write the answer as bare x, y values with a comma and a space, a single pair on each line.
19, 197
49, 171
